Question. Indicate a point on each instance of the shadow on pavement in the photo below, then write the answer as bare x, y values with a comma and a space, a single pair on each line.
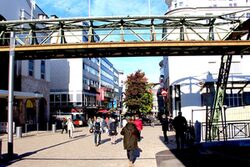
6, 160
118, 140
200, 155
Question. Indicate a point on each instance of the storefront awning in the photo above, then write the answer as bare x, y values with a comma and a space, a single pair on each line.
20, 95
104, 111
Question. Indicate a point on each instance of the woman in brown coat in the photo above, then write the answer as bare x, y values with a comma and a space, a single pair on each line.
130, 141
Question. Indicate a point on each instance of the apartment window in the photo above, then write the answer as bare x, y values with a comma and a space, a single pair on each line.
57, 98
64, 97
246, 98
233, 100
31, 67
52, 98
43, 69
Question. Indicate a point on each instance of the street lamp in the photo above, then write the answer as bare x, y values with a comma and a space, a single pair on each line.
149, 10
89, 8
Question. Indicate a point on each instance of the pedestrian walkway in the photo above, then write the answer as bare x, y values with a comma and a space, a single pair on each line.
55, 149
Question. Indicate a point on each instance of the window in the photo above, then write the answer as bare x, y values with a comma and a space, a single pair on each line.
31, 67
57, 98
246, 98
233, 100
52, 98
42, 69
64, 97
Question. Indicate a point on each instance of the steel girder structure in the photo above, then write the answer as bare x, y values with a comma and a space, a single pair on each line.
124, 36
216, 112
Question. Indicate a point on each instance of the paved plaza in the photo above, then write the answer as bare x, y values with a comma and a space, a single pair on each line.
41, 149
48, 149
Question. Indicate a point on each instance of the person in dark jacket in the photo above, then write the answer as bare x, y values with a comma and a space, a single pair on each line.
180, 126
64, 125
130, 141
113, 130
164, 124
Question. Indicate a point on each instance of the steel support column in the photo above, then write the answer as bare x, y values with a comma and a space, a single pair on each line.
11, 94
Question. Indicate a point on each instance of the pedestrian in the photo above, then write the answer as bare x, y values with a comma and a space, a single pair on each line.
164, 124
64, 125
130, 141
113, 130
97, 131
70, 127
138, 124
180, 126
90, 123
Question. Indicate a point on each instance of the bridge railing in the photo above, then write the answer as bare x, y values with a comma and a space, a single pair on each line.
122, 29
231, 130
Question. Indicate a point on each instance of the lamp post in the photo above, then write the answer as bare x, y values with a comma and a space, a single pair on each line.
89, 8
149, 7
11, 94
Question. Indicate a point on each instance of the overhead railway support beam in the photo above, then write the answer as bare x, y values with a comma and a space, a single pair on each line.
215, 114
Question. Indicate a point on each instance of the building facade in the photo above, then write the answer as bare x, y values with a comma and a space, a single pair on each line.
187, 75
32, 77
176, 4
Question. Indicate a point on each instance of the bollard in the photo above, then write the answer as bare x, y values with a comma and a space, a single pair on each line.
47, 124
18, 131
54, 128
26, 128
37, 127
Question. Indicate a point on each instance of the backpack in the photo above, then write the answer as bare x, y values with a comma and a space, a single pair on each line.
97, 127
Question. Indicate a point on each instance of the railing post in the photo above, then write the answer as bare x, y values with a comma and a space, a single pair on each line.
90, 33
152, 31
122, 31
37, 127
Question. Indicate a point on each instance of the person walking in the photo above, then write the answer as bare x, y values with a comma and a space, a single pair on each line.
90, 124
64, 125
130, 141
164, 124
70, 127
113, 130
180, 126
97, 131
139, 126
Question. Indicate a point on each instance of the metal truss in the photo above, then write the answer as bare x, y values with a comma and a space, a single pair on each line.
114, 36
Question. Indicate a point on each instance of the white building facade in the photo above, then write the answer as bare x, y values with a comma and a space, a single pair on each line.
188, 73
176, 4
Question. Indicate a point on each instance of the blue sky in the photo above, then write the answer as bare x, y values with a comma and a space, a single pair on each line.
77, 8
